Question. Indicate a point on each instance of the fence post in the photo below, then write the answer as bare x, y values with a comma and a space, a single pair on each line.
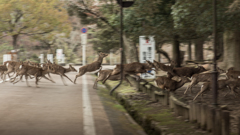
166, 98
203, 117
199, 115
225, 123
190, 111
218, 122
211, 119
238, 125
194, 112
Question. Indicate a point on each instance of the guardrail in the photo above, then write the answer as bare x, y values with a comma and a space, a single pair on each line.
206, 117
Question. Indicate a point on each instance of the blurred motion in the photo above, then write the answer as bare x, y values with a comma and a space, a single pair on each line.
169, 42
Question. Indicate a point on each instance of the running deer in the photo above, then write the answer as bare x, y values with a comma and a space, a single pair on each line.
96, 65
202, 77
59, 70
186, 71
231, 73
163, 67
30, 70
169, 84
3, 69
103, 74
12, 67
231, 84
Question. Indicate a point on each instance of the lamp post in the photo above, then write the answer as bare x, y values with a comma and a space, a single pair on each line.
214, 83
123, 4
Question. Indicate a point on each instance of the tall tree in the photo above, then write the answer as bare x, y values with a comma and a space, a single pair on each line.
105, 14
32, 18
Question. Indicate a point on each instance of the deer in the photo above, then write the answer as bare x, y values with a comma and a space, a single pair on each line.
186, 71
30, 70
202, 77
231, 84
3, 69
169, 84
96, 65
231, 73
12, 67
104, 73
163, 67
59, 70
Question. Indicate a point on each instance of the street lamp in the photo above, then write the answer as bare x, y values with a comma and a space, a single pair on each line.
123, 4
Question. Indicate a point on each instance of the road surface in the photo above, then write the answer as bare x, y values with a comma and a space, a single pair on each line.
55, 109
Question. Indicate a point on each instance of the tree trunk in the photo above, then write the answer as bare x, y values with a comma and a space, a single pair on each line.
189, 50
130, 50
231, 49
176, 51
14, 42
220, 47
199, 49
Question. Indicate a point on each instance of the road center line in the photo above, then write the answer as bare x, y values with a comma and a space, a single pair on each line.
88, 123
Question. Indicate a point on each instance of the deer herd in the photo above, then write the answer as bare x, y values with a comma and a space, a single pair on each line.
192, 75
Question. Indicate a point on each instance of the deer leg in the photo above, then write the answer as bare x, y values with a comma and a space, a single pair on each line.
227, 92
13, 79
79, 74
128, 81
26, 77
193, 82
49, 76
233, 91
48, 79
18, 80
63, 80
95, 83
67, 77
106, 78
36, 82
203, 88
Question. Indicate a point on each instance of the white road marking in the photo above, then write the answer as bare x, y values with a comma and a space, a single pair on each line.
88, 123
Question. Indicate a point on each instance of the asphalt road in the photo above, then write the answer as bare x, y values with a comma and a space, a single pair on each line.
55, 109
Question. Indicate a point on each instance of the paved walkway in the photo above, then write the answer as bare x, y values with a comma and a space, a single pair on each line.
53, 109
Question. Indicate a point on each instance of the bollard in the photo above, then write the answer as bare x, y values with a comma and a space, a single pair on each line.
211, 119
225, 123
166, 98
203, 117
198, 115
218, 122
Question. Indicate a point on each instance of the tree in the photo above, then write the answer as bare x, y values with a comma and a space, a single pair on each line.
198, 15
32, 18
106, 16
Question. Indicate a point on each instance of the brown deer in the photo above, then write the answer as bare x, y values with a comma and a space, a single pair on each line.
12, 67
30, 70
231, 73
186, 71
163, 67
96, 65
61, 71
169, 84
131, 69
231, 84
3, 69
103, 74
202, 77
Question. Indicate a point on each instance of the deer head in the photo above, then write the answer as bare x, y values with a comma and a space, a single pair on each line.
102, 54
